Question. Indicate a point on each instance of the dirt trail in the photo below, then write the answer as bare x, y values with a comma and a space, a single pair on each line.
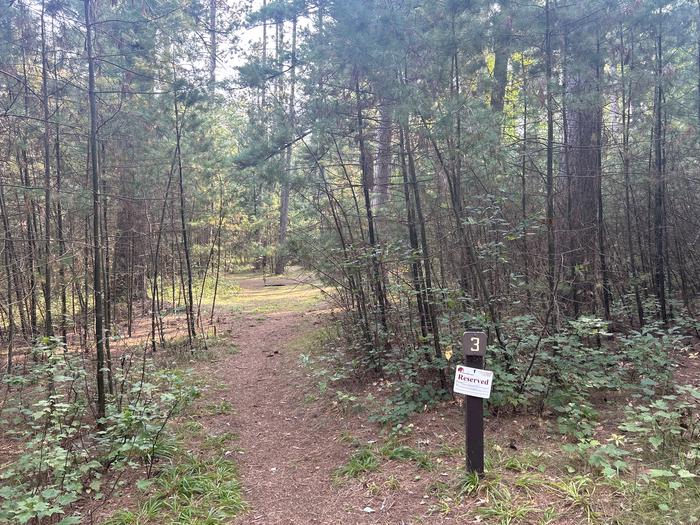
289, 443
288, 448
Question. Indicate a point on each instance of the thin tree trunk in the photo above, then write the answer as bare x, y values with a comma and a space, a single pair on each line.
183, 222
216, 279
106, 294
212, 42
380, 297
46, 140
380, 191
602, 249
430, 303
97, 246
281, 260
214, 241
626, 116
659, 268
29, 209
551, 249
8, 255
61, 242
155, 307
523, 185
413, 240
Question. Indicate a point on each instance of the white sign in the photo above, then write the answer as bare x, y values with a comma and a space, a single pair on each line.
473, 382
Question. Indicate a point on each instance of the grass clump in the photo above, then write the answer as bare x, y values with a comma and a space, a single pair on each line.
218, 442
406, 453
361, 462
193, 491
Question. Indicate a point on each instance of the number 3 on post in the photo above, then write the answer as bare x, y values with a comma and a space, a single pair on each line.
474, 343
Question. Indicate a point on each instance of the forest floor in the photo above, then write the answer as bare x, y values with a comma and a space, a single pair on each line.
306, 455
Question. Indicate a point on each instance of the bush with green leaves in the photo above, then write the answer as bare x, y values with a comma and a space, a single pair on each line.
412, 391
663, 434
62, 452
667, 426
561, 371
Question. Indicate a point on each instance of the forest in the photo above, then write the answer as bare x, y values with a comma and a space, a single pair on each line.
242, 240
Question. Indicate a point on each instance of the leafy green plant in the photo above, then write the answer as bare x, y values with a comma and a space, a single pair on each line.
576, 418
467, 484
579, 491
666, 423
64, 451
412, 393
608, 458
345, 403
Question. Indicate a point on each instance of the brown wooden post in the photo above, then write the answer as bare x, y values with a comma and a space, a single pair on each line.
474, 345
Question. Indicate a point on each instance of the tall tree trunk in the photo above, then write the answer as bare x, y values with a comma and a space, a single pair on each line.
183, 223
431, 304
212, 42
216, 278
523, 183
583, 121
600, 226
501, 55
46, 140
380, 297
214, 242
281, 260
29, 207
11, 276
626, 116
106, 286
659, 266
97, 245
413, 241
263, 86
155, 307
59, 210
14, 267
380, 191
59, 227
551, 247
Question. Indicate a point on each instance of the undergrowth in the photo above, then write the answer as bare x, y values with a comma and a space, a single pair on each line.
631, 452
61, 452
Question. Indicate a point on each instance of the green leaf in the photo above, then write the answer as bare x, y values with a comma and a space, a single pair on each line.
656, 441
659, 473
686, 474
70, 520
144, 484
609, 472
50, 493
